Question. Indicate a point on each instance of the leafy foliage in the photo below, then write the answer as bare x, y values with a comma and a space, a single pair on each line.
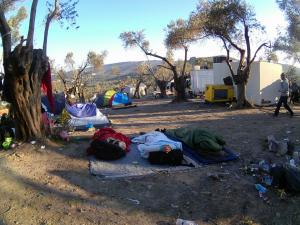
289, 41
14, 23
80, 78
179, 34
232, 22
65, 12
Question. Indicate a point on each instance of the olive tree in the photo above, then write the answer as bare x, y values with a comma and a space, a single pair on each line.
75, 79
179, 35
24, 65
232, 22
289, 40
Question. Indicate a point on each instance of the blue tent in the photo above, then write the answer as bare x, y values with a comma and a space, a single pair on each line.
120, 98
110, 99
82, 110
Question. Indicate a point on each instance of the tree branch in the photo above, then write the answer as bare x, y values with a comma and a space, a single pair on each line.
228, 57
168, 68
247, 39
63, 80
5, 35
29, 42
156, 56
50, 17
257, 50
231, 42
185, 59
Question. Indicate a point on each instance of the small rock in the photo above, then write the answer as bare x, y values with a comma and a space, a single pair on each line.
174, 206
80, 210
18, 155
48, 206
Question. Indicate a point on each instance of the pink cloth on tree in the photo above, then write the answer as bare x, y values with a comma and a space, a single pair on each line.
47, 88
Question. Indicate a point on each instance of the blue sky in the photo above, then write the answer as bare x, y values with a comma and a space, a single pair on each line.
102, 21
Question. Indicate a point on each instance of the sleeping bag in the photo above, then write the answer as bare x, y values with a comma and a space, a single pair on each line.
200, 140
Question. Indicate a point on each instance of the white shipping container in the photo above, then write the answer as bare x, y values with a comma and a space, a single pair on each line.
201, 78
263, 83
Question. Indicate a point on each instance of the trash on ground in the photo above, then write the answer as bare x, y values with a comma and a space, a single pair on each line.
185, 222
137, 202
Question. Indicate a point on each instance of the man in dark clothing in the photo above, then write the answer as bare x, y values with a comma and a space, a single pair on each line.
284, 94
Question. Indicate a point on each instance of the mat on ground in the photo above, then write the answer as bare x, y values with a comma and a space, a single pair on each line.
134, 165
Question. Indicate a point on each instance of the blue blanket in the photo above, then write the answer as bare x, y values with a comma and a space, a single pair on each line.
82, 110
226, 154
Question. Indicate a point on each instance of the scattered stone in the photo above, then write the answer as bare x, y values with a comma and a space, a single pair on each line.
137, 202
174, 206
80, 210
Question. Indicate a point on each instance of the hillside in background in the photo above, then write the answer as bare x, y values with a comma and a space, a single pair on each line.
120, 70
124, 68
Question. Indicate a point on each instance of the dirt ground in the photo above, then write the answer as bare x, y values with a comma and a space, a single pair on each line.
52, 186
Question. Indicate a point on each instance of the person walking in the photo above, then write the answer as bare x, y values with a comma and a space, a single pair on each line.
284, 94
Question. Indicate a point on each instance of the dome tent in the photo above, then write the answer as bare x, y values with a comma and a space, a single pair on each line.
112, 98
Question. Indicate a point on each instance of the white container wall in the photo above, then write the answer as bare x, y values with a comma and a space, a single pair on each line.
263, 83
201, 78
269, 81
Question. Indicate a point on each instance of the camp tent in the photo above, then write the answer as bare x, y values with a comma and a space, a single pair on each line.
107, 97
120, 98
85, 115
112, 98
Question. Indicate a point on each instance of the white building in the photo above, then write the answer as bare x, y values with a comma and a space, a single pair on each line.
262, 86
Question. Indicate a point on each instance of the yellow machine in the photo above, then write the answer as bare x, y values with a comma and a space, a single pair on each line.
219, 93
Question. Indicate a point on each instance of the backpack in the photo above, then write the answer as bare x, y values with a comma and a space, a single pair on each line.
172, 158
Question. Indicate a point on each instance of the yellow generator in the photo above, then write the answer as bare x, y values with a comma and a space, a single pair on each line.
219, 93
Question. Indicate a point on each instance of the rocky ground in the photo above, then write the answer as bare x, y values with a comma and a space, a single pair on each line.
53, 185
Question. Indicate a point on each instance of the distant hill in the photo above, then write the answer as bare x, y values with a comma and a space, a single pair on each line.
125, 68
129, 68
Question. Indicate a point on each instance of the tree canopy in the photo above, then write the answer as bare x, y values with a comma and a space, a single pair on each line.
289, 41
25, 65
232, 22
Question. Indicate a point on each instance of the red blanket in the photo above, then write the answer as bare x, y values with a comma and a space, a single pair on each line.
104, 133
47, 88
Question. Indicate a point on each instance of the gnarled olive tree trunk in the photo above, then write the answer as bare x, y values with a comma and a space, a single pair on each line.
24, 69
162, 85
180, 89
137, 89
241, 80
